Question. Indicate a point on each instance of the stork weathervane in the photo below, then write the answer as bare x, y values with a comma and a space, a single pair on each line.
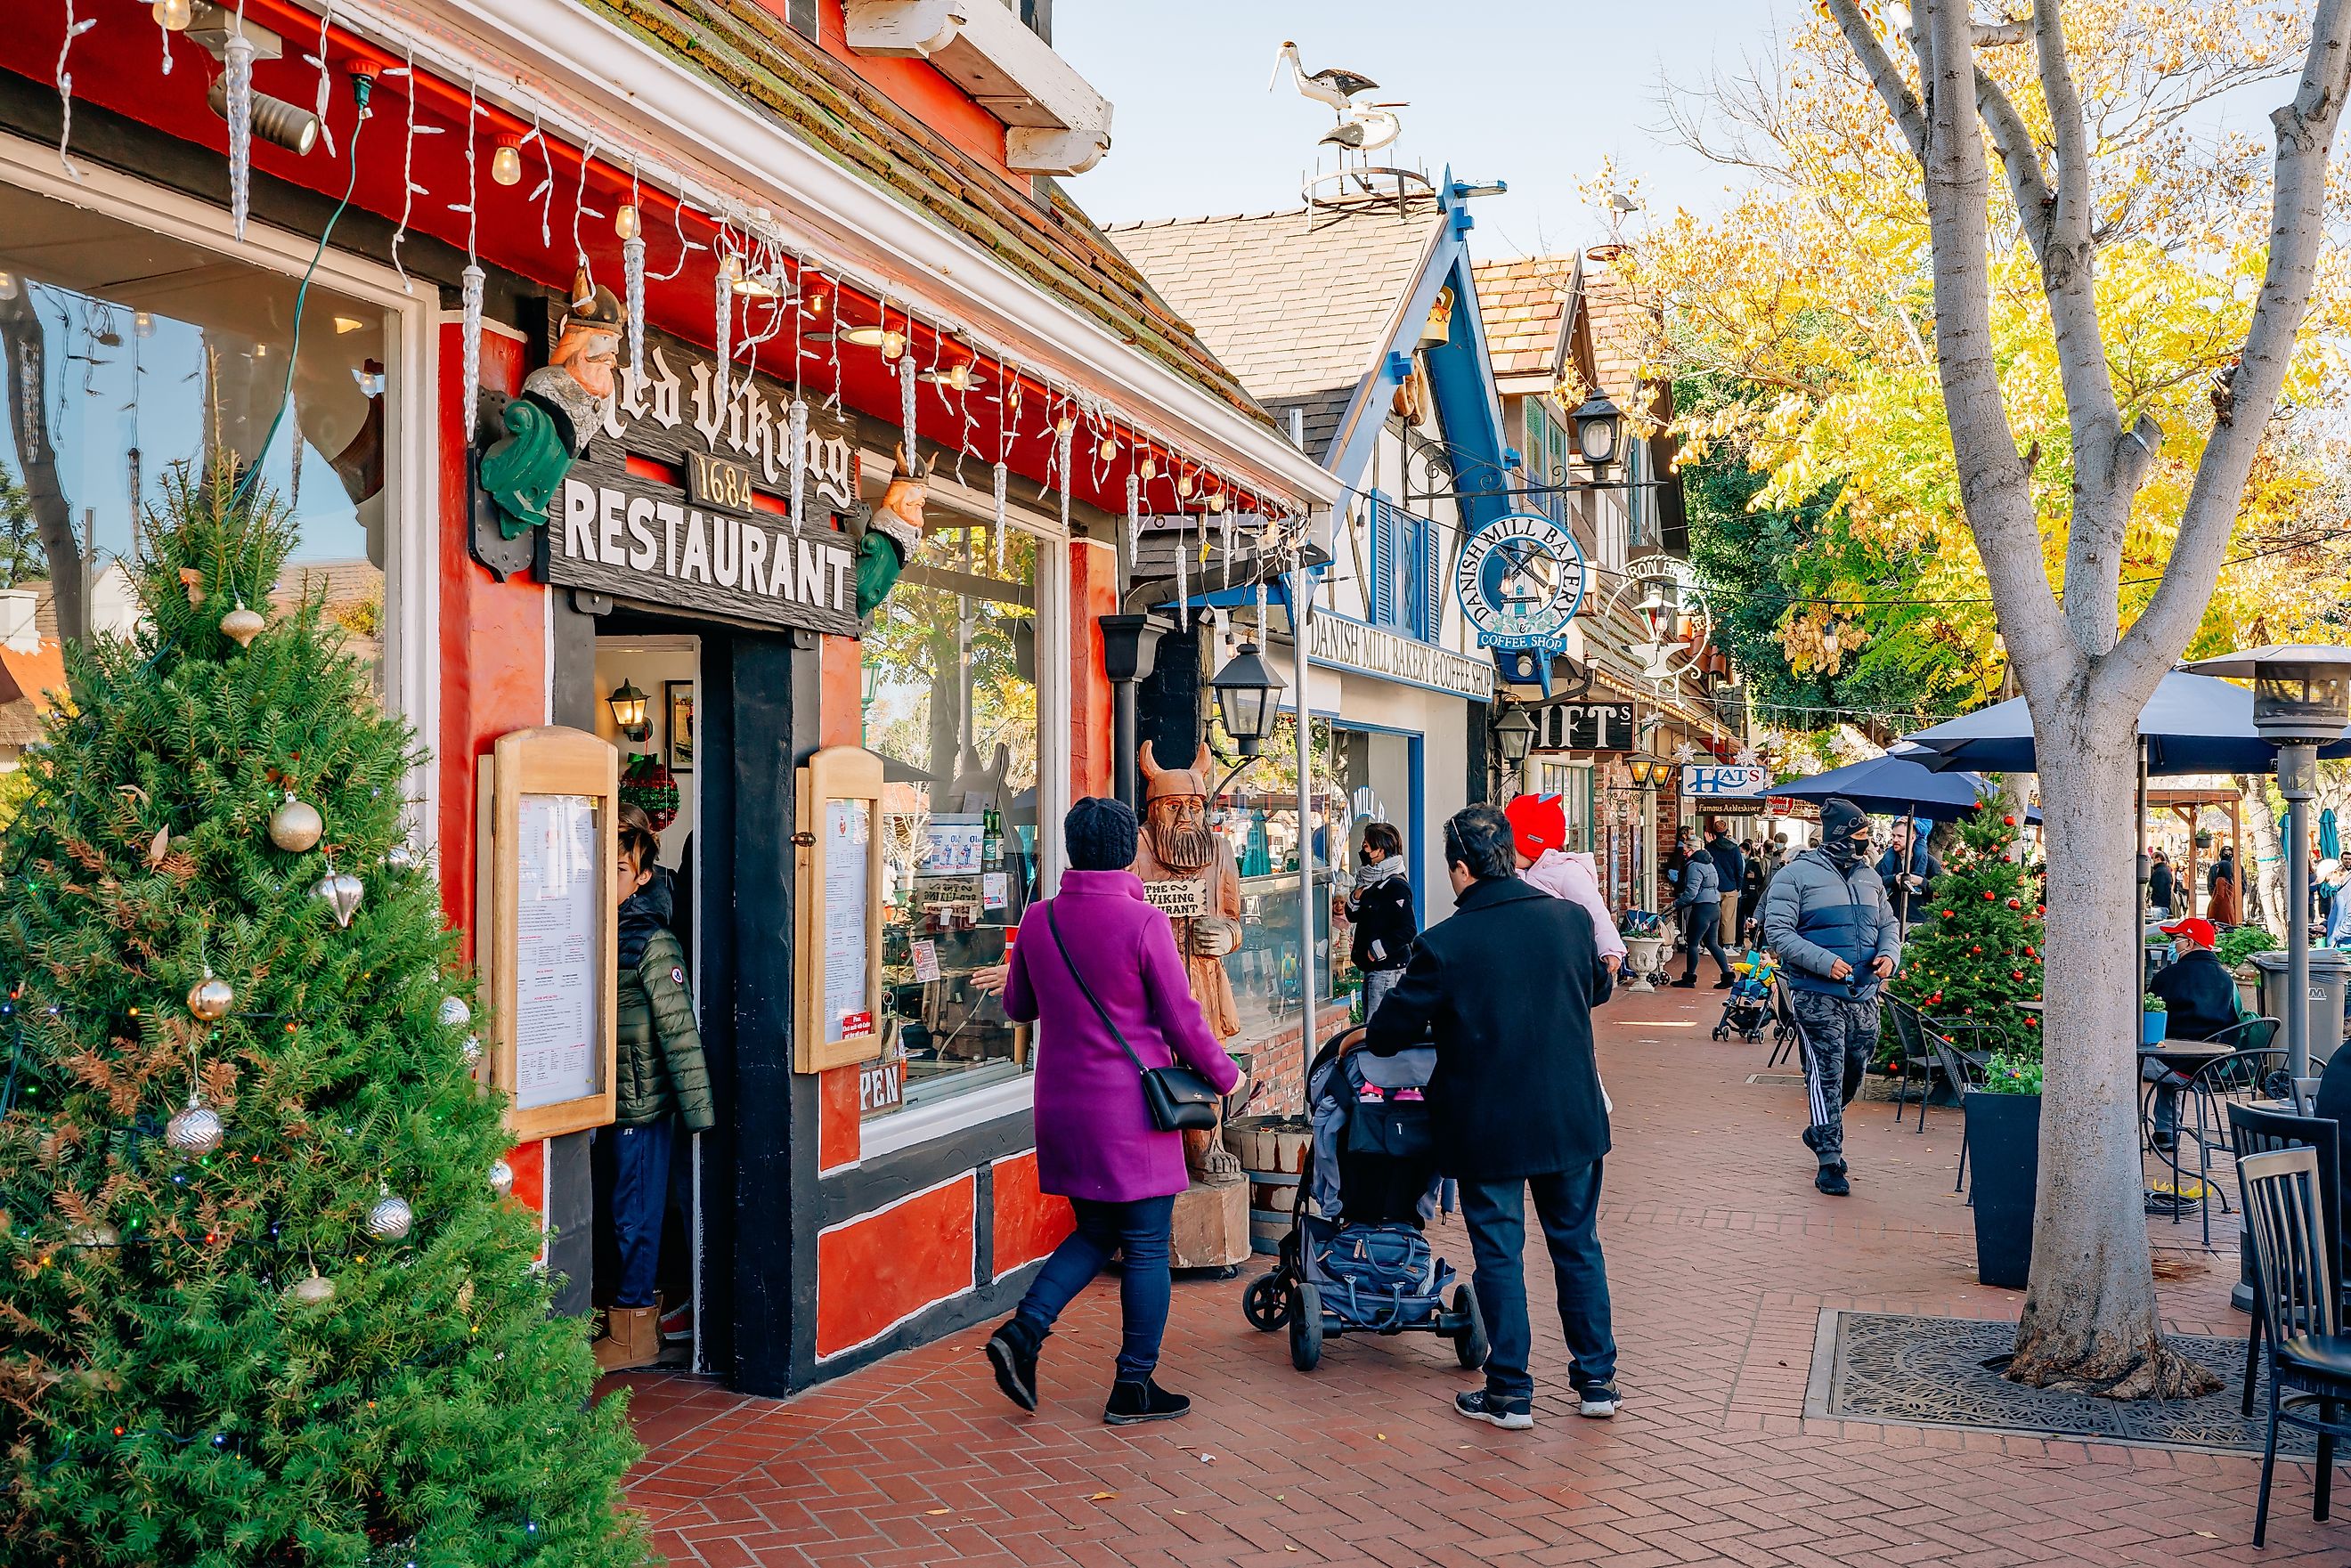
1661, 594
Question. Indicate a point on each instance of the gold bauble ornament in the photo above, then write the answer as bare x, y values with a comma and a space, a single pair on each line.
295, 825
210, 998
241, 626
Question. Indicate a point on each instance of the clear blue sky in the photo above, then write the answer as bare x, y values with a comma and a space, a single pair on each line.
1535, 92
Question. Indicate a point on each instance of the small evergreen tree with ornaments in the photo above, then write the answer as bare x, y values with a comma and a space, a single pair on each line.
264, 1297
1979, 949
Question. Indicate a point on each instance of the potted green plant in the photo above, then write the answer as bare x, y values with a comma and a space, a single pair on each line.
2003, 1133
2154, 1016
2236, 949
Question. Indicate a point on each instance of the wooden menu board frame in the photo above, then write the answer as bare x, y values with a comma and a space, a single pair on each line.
844, 776
551, 760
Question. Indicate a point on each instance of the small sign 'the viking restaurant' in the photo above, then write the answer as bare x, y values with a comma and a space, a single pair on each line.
681, 500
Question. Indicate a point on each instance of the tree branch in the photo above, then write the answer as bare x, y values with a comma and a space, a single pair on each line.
2028, 184
1870, 50
2306, 138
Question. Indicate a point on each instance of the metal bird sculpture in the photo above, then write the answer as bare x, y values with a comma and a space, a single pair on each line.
1335, 86
1365, 128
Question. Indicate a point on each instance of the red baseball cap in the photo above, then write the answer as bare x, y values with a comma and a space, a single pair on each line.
1536, 823
2195, 928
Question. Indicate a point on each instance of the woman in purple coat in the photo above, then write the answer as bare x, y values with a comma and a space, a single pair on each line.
1096, 1143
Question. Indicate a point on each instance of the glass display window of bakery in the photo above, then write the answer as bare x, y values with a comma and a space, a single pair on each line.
1258, 815
950, 670
128, 353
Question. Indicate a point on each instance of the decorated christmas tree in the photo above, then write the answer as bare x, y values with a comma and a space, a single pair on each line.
1978, 948
265, 1300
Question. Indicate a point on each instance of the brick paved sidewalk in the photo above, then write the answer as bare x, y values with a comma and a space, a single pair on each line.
1721, 1258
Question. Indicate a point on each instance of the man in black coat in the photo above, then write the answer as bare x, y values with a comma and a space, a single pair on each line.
1507, 987
1730, 870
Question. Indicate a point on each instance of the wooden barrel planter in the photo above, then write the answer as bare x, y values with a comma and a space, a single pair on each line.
1272, 1152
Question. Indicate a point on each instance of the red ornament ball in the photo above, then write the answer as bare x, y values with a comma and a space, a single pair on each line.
2016, 974
1987, 896
2013, 903
1948, 914
2032, 1022
1975, 949
2008, 822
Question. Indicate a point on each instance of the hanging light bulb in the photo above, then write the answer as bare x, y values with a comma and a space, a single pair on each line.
1184, 487
893, 343
1106, 449
173, 16
1829, 641
1217, 502
624, 221
1061, 427
733, 268
1148, 469
142, 323
506, 163
816, 304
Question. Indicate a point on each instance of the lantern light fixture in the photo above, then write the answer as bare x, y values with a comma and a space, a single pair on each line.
1514, 736
1248, 694
1599, 427
627, 706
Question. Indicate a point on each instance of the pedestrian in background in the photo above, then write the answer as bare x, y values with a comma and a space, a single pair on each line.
1827, 919
1698, 900
2159, 892
1096, 964
2226, 905
1517, 1104
1905, 868
1539, 834
1729, 875
1380, 908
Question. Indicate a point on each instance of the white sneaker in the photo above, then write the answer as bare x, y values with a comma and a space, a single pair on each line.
1599, 1402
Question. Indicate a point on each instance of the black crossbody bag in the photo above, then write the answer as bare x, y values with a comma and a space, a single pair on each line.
1180, 1099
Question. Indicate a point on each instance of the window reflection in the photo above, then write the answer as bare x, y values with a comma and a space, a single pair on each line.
950, 667
126, 353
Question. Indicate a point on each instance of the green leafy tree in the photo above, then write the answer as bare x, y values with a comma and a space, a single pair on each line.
1979, 948
222, 1341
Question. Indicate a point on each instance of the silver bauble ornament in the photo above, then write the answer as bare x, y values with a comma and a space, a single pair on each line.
454, 1013
194, 1131
501, 1177
400, 857
472, 1047
341, 890
390, 1219
241, 626
295, 825
316, 1291
99, 1234
210, 998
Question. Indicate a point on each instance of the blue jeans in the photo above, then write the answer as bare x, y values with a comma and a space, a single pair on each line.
639, 1193
1568, 1203
1377, 983
1138, 1232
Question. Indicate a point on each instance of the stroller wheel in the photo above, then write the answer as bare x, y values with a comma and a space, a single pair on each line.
1265, 1304
1305, 1327
1470, 1344
1721, 1032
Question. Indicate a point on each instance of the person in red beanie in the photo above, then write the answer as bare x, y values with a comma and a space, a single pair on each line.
1538, 830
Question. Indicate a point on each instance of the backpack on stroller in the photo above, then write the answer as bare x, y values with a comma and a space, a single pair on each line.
1748, 1007
1357, 1259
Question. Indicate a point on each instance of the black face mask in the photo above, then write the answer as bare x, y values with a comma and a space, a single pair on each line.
1847, 852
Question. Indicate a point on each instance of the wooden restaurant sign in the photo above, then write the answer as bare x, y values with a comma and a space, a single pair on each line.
681, 501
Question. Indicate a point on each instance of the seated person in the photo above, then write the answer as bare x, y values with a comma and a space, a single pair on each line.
2201, 997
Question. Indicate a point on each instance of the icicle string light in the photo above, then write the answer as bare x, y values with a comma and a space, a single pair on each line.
544, 193
632, 278
1063, 434
408, 186
796, 422
469, 339
1134, 521
64, 94
239, 52
907, 404
1183, 591
997, 477
726, 339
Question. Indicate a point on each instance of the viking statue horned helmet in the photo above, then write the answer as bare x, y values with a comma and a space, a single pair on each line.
1159, 781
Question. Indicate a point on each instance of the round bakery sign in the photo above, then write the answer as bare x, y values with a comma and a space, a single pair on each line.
1521, 579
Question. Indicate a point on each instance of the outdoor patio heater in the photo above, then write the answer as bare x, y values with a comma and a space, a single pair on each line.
2302, 701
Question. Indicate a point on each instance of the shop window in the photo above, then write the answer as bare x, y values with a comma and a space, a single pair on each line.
126, 353
1361, 777
950, 668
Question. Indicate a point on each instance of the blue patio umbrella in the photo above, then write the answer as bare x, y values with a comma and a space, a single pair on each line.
2193, 724
2330, 840
1892, 785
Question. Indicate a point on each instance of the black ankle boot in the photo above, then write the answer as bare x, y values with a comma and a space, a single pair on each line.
1131, 1403
1012, 1352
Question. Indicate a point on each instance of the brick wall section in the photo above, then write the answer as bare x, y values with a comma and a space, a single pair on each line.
1278, 1069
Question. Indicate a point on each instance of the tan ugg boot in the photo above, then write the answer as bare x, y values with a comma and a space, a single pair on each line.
632, 1339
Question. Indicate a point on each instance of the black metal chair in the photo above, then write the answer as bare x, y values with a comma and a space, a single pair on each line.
1966, 1070
2238, 1079
2254, 1131
2295, 1292
1910, 1038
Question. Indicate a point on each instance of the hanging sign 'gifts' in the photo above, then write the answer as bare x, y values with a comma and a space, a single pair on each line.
1584, 726
1521, 579
680, 498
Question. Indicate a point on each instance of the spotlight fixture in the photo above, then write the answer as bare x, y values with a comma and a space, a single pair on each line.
275, 121
889, 340
955, 378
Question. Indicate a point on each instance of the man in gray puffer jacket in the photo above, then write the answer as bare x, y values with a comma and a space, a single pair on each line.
1698, 899
1836, 938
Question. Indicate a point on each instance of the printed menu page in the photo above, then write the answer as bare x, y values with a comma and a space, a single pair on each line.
848, 833
559, 921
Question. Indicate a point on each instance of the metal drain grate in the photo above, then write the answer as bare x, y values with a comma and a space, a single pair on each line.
1778, 1080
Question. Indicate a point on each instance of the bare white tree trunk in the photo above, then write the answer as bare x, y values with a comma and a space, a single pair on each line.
2089, 1320
2016, 800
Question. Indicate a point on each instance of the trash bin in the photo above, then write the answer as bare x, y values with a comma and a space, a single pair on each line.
2330, 976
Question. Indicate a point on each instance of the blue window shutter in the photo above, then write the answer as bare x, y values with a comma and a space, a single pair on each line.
1383, 594
1432, 605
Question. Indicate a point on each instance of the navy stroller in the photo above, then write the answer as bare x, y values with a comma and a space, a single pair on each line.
1357, 1259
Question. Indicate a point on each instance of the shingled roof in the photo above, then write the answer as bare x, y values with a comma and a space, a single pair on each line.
1523, 304
1035, 231
1299, 314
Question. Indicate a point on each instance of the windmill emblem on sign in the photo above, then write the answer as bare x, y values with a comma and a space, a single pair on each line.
1661, 595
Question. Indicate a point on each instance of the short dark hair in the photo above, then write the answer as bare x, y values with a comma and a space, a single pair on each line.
1099, 835
640, 845
1383, 837
1479, 838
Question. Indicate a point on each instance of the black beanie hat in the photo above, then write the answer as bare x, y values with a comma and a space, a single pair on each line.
1839, 818
1098, 833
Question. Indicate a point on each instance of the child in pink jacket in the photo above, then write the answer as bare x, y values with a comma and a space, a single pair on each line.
1540, 827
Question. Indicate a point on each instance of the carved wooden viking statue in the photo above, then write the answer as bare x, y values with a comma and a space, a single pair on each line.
1190, 872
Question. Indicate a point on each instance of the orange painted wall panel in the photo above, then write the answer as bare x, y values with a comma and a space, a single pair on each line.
879, 1270
918, 87
840, 1124
1029, 1223
1093, 593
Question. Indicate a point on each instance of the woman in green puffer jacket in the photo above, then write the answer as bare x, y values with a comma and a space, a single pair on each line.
659, 1078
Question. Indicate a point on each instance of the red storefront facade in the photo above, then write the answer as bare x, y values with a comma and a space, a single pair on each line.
823, 1228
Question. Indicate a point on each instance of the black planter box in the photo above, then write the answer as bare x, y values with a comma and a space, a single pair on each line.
2004, 1161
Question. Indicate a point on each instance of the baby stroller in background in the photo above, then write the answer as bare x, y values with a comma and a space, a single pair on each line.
1748, 1007
1356, 1260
